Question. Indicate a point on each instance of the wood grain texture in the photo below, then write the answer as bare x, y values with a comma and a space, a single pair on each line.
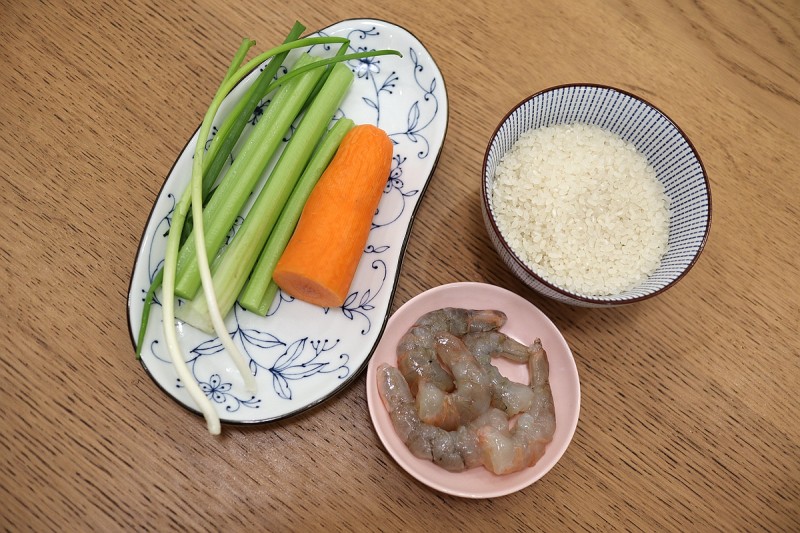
689, 417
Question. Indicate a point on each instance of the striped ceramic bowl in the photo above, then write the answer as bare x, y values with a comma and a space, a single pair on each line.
674, 159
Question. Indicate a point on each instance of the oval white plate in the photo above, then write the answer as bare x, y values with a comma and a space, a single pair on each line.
302, 354
525, 323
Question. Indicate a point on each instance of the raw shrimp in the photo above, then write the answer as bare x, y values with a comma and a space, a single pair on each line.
415, 350
461, 321
452, 450
472, 395
510, 396
505, 451
487, 344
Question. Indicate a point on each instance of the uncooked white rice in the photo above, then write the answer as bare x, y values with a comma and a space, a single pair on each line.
582, 208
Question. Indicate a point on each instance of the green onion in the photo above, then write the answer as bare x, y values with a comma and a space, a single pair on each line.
178, 219
148, 302
170, 337
256, 297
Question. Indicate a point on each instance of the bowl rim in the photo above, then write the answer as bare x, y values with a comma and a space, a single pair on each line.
555, 288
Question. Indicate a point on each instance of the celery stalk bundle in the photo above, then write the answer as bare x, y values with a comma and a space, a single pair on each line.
197, 268
232, 269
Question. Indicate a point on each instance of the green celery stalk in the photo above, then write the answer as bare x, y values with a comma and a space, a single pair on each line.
232, 268
339, 53
243, 175
269, 296
231, 129
254, 297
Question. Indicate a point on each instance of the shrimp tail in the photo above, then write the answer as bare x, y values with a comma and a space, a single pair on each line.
488, 344
507, 395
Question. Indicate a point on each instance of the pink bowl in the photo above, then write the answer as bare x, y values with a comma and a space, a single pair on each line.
525, 323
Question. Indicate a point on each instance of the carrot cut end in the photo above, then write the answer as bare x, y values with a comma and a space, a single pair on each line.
319, 262
308, 290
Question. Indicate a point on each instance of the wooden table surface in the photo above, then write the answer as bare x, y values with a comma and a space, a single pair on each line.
690, 412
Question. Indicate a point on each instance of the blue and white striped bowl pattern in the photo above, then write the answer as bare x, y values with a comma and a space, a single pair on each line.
667, 149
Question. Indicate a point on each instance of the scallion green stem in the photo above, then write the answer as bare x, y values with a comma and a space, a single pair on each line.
148, 302
168, 305
339, 53
337, 59
231, 128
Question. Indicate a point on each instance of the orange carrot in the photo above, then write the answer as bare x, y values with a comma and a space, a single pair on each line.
320, 261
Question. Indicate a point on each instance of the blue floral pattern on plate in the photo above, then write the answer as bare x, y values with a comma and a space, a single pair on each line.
301, 354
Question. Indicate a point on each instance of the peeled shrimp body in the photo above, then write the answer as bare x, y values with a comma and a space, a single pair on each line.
487, 344
454, 451
505, 451
510, 396
461, 321
472, 394
416, 356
